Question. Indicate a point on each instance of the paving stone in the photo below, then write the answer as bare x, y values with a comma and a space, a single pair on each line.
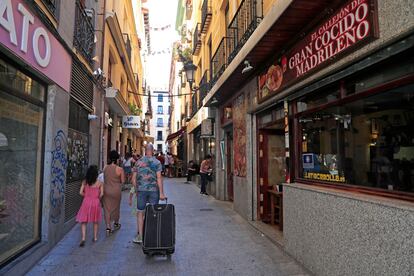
211, 239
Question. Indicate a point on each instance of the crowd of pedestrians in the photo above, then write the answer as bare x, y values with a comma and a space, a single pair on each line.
144, 173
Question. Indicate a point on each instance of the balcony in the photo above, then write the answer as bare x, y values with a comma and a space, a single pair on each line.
204, 88
206, 14
246, 20
196, 40
84, 33
219, 59
52, 6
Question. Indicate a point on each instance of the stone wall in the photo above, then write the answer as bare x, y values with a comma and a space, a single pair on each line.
339, 233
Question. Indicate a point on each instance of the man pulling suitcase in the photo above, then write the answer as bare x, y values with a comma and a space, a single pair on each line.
147, 181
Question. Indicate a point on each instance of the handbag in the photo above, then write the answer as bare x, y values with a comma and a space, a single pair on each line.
210, 177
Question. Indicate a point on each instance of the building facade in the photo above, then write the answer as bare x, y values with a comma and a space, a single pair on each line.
55, 113
160, 102
44, 58
122, 66
312, 125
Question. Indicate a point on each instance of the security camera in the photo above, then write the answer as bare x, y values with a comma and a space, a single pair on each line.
92, 117
98, 72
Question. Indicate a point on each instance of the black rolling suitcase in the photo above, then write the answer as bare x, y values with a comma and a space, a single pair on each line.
159, 230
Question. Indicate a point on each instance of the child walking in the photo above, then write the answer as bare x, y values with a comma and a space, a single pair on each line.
90, 210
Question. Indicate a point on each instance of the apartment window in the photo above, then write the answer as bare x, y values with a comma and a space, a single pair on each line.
160, 98
160, 122
160, 109
159, 135
159, 147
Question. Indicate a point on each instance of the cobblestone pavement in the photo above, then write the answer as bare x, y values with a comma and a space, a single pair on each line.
211, 240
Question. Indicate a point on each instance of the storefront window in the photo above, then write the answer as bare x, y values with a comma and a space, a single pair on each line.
326, 95
16, 80
368, 142
21, 130
400, 66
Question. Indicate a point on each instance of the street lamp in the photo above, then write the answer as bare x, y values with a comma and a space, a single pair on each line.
190, 69
146, 121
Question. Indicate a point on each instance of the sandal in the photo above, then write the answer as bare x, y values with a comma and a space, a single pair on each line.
117, 226
108, 231
82, 243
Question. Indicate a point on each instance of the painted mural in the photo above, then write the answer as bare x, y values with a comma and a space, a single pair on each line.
239, 135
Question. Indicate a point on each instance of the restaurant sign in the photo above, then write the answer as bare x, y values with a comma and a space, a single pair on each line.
351, 25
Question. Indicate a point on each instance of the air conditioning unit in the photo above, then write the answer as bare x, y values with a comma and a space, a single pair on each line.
106, 120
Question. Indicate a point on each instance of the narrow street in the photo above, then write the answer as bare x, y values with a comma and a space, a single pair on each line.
211, 240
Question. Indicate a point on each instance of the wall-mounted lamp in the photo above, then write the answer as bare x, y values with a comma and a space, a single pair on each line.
247, 67
190, 69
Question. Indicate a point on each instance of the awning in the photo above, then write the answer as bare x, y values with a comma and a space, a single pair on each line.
175, 135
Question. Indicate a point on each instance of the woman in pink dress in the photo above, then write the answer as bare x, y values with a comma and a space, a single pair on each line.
90, 210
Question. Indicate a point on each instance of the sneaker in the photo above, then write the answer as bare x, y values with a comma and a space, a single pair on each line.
206, 194
137, 239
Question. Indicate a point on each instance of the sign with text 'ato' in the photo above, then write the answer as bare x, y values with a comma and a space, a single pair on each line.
131, 122
352, 25
26, 36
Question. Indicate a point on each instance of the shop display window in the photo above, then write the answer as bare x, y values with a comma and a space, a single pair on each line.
16, 80
366, 142
21, 132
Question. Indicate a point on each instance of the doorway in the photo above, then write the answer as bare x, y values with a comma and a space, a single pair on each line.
229, 166
271, 173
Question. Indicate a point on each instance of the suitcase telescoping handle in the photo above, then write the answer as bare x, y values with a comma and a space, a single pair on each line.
165, 199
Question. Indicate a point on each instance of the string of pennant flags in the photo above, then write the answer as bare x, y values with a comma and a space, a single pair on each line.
159, 52
163, 28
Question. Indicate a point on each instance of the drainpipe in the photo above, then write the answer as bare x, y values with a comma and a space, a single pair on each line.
253, 162
101, 131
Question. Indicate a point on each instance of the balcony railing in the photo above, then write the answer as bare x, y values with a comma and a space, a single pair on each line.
84, 33
196, 40
204, 88
194, 104
218, 62
246, 20
128, 47
205, 16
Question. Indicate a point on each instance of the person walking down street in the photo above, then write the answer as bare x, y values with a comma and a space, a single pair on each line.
114, 177
191, 170
205, 173
90, 211
171, 163
166, 165
127, 165
147, 179
161, 158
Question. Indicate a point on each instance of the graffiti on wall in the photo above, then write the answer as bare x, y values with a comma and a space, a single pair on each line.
239, 135
59, 165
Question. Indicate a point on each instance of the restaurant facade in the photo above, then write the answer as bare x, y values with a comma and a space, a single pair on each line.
317, 138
